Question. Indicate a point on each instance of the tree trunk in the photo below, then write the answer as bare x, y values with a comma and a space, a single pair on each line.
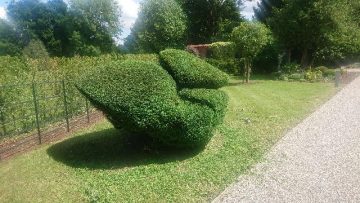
248, 72
304, 58
289, 55
245, 68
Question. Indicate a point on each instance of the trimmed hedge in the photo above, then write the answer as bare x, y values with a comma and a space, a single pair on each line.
192, 72
142, 98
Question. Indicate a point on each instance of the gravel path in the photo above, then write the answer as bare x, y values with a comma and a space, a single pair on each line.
317, 161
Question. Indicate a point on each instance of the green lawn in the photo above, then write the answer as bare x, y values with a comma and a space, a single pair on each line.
98, 165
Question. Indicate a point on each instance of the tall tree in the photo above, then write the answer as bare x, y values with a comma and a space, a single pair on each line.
211, 20
11, 40
95, 25
161, 24
86, 27
309, 29
40, 20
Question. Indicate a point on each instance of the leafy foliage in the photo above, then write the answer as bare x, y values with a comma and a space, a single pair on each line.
190, 71
228, 65
83, 28
211, 20
222, 50
317, 31
161, 24
142, 98
11, 42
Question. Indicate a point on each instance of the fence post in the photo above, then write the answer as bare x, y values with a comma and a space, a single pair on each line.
87, 110
3, 122
65, 106
36, 111
2, 110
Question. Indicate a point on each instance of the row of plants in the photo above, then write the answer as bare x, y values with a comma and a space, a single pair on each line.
293, 72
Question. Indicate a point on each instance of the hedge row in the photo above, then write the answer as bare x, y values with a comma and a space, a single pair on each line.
16, 97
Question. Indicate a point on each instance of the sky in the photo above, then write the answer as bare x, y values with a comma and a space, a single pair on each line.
130, 9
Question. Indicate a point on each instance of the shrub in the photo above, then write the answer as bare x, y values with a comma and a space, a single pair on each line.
190, 71
142, 98
290, 68
296, 76
328, 73
222, 50
313, 75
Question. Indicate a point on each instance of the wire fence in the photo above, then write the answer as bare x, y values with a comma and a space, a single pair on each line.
34, 107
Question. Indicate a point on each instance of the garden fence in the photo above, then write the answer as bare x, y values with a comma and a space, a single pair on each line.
33, 107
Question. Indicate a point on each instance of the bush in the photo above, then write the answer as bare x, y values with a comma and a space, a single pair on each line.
190, 71
290, 68
142, 98
222, 50
296, 76
326, 72
313, 75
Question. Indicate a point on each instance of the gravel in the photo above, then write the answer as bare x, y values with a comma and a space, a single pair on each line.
317, 161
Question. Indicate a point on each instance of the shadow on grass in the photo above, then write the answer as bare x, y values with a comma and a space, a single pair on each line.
111, 149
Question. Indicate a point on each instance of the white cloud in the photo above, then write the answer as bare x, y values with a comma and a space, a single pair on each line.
2, 13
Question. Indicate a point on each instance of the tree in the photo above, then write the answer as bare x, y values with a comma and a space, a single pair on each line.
161, 24
250, 38
94, 24
40, 20
313, 30
11, 40
211, 20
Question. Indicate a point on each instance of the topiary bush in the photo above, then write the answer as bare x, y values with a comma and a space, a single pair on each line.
191, 72
142, 98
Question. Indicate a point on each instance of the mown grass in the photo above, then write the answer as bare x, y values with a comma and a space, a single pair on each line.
100, 165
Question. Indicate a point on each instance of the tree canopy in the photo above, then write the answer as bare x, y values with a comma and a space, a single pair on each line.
250, 38
84, 27
211, 20
315, 31
161, 24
